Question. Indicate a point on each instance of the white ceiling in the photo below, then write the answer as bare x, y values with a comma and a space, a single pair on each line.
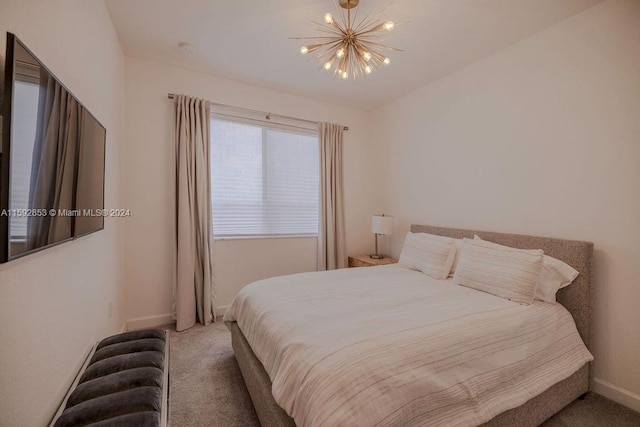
248, 40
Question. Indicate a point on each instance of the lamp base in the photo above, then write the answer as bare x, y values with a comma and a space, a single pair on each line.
376, 256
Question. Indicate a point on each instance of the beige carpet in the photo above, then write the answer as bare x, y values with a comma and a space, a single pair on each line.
206, 388
205, 384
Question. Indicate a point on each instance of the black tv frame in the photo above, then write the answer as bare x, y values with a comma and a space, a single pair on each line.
5, 154
5, 149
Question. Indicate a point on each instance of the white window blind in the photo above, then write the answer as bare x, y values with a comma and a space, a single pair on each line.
24, 133
264, 180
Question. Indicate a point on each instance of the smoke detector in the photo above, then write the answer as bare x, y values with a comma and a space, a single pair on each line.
187, 47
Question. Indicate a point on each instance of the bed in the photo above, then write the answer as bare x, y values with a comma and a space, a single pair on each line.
544, 401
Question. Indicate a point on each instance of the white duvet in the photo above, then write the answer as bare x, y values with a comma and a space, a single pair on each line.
387, 346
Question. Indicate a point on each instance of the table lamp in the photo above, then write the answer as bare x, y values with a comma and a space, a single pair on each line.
380, 224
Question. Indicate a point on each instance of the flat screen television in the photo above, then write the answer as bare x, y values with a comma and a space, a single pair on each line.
52, 159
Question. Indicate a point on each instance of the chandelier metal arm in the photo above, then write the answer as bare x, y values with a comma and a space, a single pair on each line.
384, 46
352, 47
366, 22
311, 38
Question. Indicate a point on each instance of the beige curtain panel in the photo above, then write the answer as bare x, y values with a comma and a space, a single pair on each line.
332, 252
194, 292
54, 163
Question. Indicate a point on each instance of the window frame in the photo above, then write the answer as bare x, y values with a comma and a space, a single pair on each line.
292, 126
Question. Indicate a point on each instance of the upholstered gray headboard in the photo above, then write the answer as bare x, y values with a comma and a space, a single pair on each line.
576, 298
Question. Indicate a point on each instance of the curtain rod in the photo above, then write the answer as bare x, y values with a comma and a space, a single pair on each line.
266, 114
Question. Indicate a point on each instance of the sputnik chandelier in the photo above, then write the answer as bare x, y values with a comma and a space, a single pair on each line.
352, 48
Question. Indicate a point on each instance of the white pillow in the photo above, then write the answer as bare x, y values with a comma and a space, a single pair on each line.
504, 272
554, 275
433, 255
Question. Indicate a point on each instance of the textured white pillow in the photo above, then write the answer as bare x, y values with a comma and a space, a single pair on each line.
505, 272
554, 275
433, 255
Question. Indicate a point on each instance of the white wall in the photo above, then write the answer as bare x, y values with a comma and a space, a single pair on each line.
150, 186
54, 304
239, 262
541, 138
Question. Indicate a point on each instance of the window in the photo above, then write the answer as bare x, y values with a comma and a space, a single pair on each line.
26, 98
265, 180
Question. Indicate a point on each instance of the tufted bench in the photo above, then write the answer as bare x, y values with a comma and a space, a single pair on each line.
125, 383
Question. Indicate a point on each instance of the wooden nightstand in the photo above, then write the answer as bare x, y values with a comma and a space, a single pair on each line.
366, 261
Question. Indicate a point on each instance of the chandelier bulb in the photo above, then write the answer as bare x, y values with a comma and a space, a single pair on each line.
367, 56
327, 65
328, 18
368, 69
304, 50
340, 53
389, 25
345, 75
387, 61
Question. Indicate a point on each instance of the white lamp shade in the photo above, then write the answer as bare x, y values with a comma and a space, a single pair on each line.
382, 224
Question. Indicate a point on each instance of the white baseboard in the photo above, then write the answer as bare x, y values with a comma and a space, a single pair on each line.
149, 322
617, 394
73, 385
162, 319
